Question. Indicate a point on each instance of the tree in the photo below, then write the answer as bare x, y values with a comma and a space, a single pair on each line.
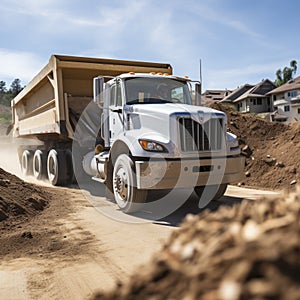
2, 87
15, 87
283, 76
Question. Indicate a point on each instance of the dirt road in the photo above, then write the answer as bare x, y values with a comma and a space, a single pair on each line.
82, 250
82, 244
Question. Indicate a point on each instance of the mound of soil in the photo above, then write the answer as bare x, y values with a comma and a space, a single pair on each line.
248, 251
30, 221
271, 149
18, 199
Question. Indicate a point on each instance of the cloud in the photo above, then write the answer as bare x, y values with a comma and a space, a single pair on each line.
17, 64
234, 77
213, 14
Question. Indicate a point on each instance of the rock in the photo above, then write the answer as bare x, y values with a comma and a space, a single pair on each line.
4, 182
293, 170
293, 182
247, 174
246, 151
269, 160
234, 125
280, 164
27, 235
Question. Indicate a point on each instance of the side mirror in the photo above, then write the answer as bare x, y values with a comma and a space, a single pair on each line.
98, 88
198, 91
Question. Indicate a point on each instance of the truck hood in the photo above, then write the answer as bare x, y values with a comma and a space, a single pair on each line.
158, 121
167, 109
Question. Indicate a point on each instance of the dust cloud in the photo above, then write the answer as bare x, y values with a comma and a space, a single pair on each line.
9, 160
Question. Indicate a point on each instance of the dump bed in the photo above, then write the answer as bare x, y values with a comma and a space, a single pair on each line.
62, 89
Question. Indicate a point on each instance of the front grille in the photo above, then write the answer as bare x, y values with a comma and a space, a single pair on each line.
200, 137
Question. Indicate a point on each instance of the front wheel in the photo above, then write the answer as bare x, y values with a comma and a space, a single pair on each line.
127, 196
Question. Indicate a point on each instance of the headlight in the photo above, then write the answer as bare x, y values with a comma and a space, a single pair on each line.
152, 146
232, 141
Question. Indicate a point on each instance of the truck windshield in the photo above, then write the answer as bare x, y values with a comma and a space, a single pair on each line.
156, 90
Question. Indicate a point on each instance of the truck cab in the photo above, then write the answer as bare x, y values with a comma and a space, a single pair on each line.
153, 138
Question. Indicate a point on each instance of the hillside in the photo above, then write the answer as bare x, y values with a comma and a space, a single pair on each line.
5, 118
271, 149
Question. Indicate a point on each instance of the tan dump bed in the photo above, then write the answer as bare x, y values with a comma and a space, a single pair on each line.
66, 84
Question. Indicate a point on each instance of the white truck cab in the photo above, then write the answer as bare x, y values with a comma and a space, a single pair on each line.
154, 138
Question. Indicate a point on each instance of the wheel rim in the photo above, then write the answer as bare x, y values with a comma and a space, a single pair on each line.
24, 165
38, 164
52, 167
121, 186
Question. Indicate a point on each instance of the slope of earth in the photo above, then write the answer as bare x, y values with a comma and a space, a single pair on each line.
271, 149
241, 255
30, 221
18, 199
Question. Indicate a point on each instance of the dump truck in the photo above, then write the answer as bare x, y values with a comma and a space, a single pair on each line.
130, 125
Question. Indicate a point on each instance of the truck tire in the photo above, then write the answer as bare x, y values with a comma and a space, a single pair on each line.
27, 163
214, 191
39, 164
127, 196
57, 167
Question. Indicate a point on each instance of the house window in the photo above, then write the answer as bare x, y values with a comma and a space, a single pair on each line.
298, 111
274, 97
292, 94
254, 101
286, 108
259, 101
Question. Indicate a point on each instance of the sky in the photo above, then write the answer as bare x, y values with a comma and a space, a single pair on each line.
237, 41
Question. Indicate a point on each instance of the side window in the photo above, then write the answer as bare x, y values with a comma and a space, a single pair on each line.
118, 96
115, 95
112, 95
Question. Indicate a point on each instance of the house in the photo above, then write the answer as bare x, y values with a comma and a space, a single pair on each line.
286, 101
214, 95
252, 98
237, 93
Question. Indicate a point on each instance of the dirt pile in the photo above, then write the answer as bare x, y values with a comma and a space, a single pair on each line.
271, 149
30, 223
241, 255
18, 199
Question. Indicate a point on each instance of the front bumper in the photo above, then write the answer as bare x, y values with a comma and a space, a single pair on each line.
186, 173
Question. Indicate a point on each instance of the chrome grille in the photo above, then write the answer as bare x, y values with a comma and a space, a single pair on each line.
200, 137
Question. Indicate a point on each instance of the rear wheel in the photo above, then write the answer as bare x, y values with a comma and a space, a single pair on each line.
127, 196
27, 163
39, 164
214, 192
57, 168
